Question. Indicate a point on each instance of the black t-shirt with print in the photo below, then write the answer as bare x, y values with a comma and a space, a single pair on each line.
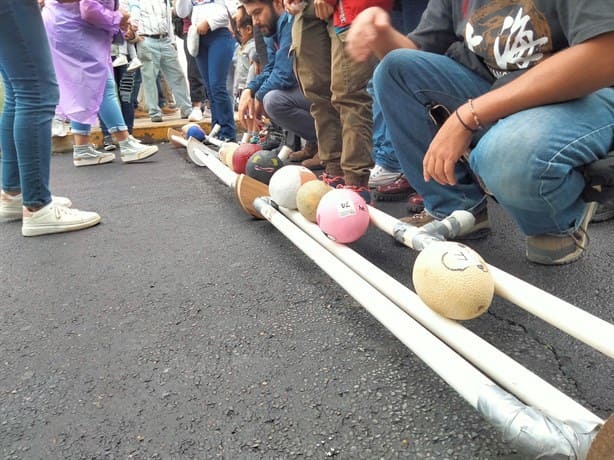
496, 37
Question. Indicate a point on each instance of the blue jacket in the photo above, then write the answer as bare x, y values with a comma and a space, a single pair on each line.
279, 72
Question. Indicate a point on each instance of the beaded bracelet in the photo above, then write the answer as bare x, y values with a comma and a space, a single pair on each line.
465, 125
475, 115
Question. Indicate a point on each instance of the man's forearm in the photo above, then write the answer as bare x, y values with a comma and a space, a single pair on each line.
389, 40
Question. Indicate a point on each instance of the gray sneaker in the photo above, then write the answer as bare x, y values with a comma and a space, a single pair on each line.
552, 249
132, 150
91, 156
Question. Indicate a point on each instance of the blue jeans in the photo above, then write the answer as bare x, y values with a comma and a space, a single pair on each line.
530, 160
109, 112
214, 60
125, 89
383, 151
31, 94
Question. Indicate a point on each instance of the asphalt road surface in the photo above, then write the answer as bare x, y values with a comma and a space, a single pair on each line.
182, 328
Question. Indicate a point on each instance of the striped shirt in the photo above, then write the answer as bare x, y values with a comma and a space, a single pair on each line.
153, 17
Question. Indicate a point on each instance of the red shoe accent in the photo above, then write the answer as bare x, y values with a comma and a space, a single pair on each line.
415, 203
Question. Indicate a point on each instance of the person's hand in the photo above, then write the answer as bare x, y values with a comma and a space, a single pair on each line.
258, 112
364, 32
447, 147
202, 28
124, 23
323, 9
246, 107
294, 6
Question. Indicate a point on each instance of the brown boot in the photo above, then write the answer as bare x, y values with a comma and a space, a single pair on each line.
306, 153
313, 163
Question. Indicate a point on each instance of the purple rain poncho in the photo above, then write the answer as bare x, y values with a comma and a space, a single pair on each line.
80, 36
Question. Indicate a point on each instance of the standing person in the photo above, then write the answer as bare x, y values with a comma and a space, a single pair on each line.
157, 52
336, 86
196, 85
212, 44
528, 89
81, 34
31, 95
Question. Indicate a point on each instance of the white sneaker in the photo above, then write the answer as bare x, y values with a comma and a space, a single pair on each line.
11, 207
120, 60
132, 150
59, 128
56, 219
381, 176
196, 114
135, 64
92, 157
193, 40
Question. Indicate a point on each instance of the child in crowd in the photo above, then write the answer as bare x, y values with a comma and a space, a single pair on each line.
244, 61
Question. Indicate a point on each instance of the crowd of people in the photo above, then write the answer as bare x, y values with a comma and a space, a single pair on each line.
445, 103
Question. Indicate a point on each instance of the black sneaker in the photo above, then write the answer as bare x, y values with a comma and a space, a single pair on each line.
108, 144
605, 211
274, 138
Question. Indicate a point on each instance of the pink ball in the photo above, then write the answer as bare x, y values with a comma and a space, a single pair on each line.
343, 215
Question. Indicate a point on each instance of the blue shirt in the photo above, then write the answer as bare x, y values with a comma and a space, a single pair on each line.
279, 72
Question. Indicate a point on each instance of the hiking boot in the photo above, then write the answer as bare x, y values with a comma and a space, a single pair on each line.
553, 249
108, 144
382, 176
138, 113
168, 110
396, 190
132, 150
306, 153
11, 207
415, 203
363, 191
333, 181
56, 219
604, 212
86, 155
313, 163
480, 229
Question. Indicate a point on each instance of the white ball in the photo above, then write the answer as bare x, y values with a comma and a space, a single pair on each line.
453, 280
285, 183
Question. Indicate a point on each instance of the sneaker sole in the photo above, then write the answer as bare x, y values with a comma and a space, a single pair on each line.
10, 216
93, 161
602, 216
143, 154
39, 230
380, 183
392, 197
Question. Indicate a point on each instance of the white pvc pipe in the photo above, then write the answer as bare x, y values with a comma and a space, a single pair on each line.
521, 382
204, 156
508, 373
457, 372
578, 323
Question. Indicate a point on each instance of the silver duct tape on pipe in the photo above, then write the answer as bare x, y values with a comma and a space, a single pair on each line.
457, 223
531, 431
